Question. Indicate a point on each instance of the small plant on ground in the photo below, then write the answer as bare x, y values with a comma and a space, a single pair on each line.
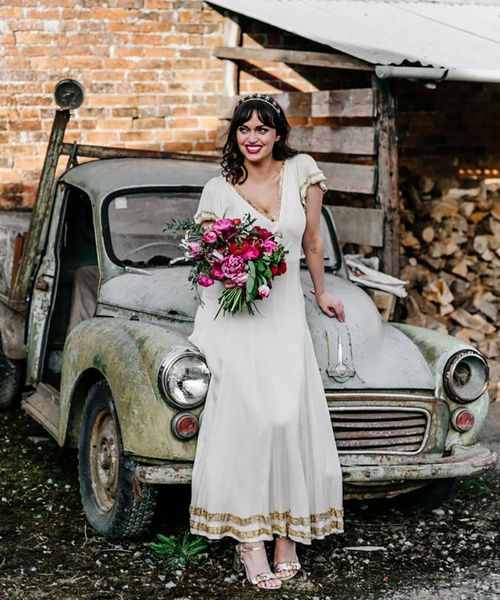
177, 552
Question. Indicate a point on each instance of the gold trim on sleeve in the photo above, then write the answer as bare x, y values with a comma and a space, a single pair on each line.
311, 179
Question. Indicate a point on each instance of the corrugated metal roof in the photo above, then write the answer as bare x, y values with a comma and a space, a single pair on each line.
454, 34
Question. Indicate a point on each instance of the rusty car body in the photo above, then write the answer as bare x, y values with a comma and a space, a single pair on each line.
95, 310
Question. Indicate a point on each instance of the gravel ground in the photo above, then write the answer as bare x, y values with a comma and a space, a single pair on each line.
389, 551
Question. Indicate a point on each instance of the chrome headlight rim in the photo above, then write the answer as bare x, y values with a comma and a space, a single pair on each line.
449, 371
166, 365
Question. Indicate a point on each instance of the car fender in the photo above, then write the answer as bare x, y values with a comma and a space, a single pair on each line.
437, 348
128, 355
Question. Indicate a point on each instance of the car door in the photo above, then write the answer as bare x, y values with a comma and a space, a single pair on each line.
43, 291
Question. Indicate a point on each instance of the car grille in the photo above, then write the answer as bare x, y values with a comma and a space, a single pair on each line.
380, 429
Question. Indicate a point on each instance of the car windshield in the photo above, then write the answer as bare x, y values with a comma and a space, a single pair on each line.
136, 221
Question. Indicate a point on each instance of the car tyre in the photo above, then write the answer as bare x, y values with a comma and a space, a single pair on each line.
10, 381
115, 503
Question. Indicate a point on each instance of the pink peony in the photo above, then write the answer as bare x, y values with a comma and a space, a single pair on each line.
205, 280
210, 236
240, 279
263, 291
222, 225
232, 266
269, 246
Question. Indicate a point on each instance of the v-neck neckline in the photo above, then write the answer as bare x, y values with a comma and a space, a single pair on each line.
279, 209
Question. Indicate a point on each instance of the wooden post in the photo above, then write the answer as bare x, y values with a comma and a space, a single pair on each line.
232, 38
387, 195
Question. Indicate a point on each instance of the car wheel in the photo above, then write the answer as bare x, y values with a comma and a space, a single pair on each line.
10, 381
116, 504
433, 494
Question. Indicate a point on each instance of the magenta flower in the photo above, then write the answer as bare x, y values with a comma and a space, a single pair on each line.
222, 225
217, 272
205, 280
232, 266
263, 291
210, 236
251, 253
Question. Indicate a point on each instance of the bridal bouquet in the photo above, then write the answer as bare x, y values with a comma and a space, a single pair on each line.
235, 251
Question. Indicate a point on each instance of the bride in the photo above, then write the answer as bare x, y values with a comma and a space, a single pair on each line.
266, 461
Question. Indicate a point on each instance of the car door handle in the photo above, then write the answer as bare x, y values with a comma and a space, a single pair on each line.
42, 284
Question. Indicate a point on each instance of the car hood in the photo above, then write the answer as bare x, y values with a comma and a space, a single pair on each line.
361, 353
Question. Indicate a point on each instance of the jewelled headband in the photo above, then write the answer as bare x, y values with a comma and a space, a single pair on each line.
263, 98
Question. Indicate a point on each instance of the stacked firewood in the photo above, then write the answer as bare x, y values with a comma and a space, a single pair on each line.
450, 255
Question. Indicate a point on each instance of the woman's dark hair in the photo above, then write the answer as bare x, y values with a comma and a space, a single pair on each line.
233, 168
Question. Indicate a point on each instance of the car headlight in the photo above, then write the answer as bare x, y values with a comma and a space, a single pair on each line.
184, 378
465, 376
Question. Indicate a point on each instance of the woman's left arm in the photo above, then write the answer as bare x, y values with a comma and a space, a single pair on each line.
312, 244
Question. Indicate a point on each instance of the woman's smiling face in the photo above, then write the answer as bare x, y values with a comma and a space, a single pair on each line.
255, 139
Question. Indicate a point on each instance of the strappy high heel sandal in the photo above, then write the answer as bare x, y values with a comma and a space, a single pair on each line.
288, 565
260, 578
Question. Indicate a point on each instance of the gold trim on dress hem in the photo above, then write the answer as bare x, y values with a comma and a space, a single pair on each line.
273, 516
316, 532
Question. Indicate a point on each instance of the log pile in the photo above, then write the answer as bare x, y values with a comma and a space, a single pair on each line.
450, 255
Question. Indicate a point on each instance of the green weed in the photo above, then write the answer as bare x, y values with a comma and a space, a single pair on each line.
177, 552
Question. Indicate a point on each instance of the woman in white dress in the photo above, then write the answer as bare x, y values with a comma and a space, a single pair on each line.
266, 460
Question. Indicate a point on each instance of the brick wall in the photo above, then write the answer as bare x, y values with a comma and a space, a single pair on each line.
145, 64
151, 82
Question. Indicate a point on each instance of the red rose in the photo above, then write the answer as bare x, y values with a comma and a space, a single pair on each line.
236, 221
282, 268
236, 250
274, 271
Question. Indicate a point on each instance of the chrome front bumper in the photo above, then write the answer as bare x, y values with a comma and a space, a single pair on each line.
463, 461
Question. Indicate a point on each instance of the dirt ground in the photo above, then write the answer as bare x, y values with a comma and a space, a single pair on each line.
47, 550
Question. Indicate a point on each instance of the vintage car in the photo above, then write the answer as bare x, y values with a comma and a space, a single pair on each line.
95, 310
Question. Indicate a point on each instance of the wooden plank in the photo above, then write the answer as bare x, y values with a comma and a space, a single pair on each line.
326, 103
359, 225
293, 57
230, 71
326, 139
341, 140
387, 195
344, 177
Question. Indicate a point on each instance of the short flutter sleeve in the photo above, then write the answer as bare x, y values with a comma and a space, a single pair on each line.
309, 174
210, 205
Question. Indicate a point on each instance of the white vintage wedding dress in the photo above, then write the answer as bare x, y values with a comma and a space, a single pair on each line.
266, 460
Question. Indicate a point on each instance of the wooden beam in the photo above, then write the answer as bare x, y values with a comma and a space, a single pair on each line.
387, 195
345, 177
293, 57
325, 103
359, 225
